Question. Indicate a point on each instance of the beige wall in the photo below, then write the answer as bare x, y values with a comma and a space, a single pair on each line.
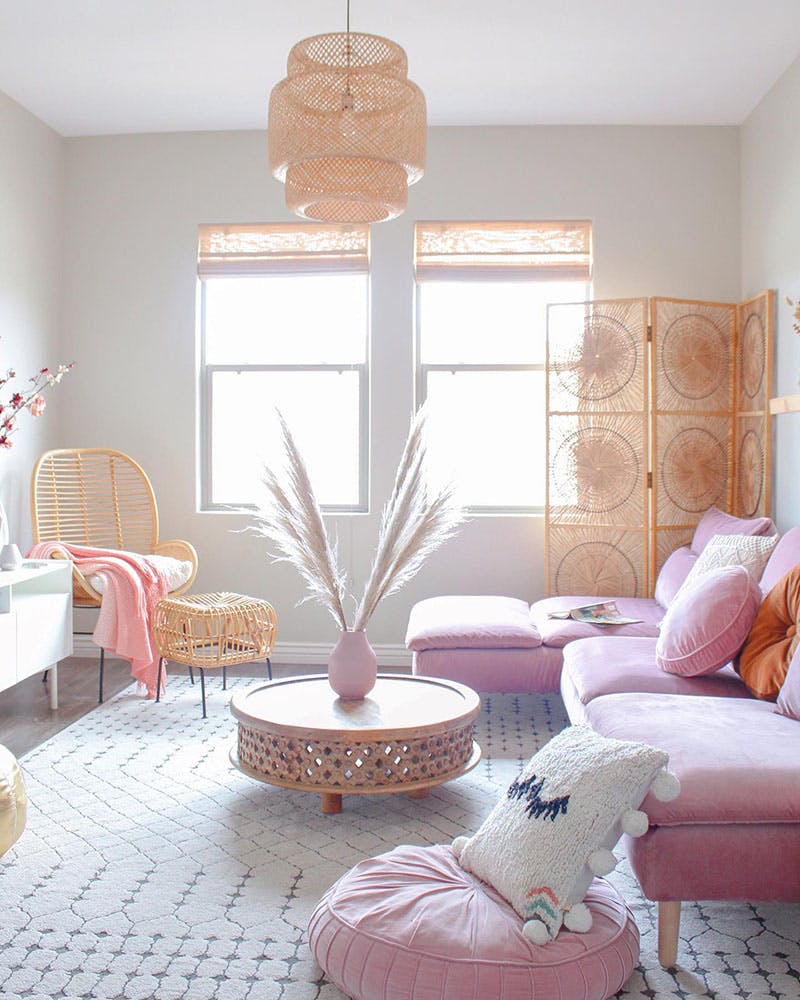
770, 205
665, 207
31, 229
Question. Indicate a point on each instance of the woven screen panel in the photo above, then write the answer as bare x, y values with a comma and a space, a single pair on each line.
596, 561
753, 438
597, 469
597, 356
692, 421
597, 449
95, 498
693, 467
693, 351
753, 473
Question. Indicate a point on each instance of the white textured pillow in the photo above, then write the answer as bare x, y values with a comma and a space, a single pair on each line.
176, 571
553, 830
750, 551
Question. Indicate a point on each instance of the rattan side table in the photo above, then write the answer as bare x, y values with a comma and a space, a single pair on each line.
212, 631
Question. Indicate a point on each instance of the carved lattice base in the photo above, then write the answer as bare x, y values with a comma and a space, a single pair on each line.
353, 765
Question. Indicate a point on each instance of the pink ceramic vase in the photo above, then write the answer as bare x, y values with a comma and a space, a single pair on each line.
352, 666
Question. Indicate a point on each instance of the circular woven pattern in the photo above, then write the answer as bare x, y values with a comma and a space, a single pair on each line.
214, 630
694, 470
605, 362
753, 355
598, 464
596, 568
694, 356
445, 935
750, 474
347, 129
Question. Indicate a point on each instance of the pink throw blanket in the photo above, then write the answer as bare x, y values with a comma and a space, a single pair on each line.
132, 588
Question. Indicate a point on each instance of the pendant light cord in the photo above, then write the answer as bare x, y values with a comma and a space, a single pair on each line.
348, 50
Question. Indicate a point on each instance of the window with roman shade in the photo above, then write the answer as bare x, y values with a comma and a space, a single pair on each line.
284, 323
482, 290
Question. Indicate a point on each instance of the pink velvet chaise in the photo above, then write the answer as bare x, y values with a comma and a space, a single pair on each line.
734, 831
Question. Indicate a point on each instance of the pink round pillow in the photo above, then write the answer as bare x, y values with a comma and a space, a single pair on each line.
707, 622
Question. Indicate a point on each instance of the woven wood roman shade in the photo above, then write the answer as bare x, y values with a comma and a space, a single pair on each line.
503, 251
290, 247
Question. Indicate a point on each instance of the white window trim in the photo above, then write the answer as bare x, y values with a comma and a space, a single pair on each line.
206, 416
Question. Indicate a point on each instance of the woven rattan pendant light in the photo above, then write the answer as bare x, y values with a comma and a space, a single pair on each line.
347, 128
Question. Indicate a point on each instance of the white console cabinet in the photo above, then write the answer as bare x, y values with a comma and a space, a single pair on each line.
35, 621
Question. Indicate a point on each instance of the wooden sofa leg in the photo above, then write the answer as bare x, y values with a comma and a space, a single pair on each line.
669, 922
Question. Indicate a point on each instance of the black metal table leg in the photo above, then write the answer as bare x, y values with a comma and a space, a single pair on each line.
269, 669
203, 689
102, 664
224, 677
158, 680
191, 676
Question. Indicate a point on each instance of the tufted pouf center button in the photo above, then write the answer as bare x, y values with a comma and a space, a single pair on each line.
412, 924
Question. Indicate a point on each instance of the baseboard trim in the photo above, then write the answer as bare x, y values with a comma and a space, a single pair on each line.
292, 654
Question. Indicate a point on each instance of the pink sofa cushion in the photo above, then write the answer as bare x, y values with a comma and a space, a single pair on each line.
413, 924
596, 667
536, 669
789, 696
785, 555
716, 522
471, 623
558, 631
673, 573
707, 623
736, 758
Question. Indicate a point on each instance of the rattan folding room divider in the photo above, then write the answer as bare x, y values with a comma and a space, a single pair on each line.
657, 409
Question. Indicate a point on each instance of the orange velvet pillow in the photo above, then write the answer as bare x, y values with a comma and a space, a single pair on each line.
769, 648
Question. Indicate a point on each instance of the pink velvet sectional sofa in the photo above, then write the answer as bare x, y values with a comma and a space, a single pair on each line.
734, 831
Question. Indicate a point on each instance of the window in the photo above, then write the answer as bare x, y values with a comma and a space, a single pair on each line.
482, 295
284, 324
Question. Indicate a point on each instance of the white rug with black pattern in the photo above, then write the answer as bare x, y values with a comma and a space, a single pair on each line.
152, 869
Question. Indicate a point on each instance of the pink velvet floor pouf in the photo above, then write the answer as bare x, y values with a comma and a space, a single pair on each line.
413, 925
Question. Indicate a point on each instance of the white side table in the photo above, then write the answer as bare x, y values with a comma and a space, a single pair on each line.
35, 621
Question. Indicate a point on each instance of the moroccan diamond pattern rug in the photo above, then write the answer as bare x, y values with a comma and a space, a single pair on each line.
151, 868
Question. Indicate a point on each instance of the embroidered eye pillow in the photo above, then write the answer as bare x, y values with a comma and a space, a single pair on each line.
553, 830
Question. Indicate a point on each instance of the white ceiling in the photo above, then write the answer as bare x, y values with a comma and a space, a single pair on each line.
90, 67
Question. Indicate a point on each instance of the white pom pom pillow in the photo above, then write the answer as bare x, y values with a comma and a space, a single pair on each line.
554, 829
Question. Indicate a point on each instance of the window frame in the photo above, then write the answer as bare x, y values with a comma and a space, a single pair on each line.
567, 263
206, 398
421, 387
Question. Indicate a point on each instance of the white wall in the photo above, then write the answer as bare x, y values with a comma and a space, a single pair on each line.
665, 207
31, 228
770, 202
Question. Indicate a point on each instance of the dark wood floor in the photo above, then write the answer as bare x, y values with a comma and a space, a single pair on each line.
26, 719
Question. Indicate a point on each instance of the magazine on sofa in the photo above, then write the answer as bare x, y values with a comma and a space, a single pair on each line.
604, 613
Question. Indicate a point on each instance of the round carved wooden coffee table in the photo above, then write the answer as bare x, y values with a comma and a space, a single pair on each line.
407, 735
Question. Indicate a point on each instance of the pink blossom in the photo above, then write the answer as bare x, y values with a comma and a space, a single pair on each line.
37, 406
